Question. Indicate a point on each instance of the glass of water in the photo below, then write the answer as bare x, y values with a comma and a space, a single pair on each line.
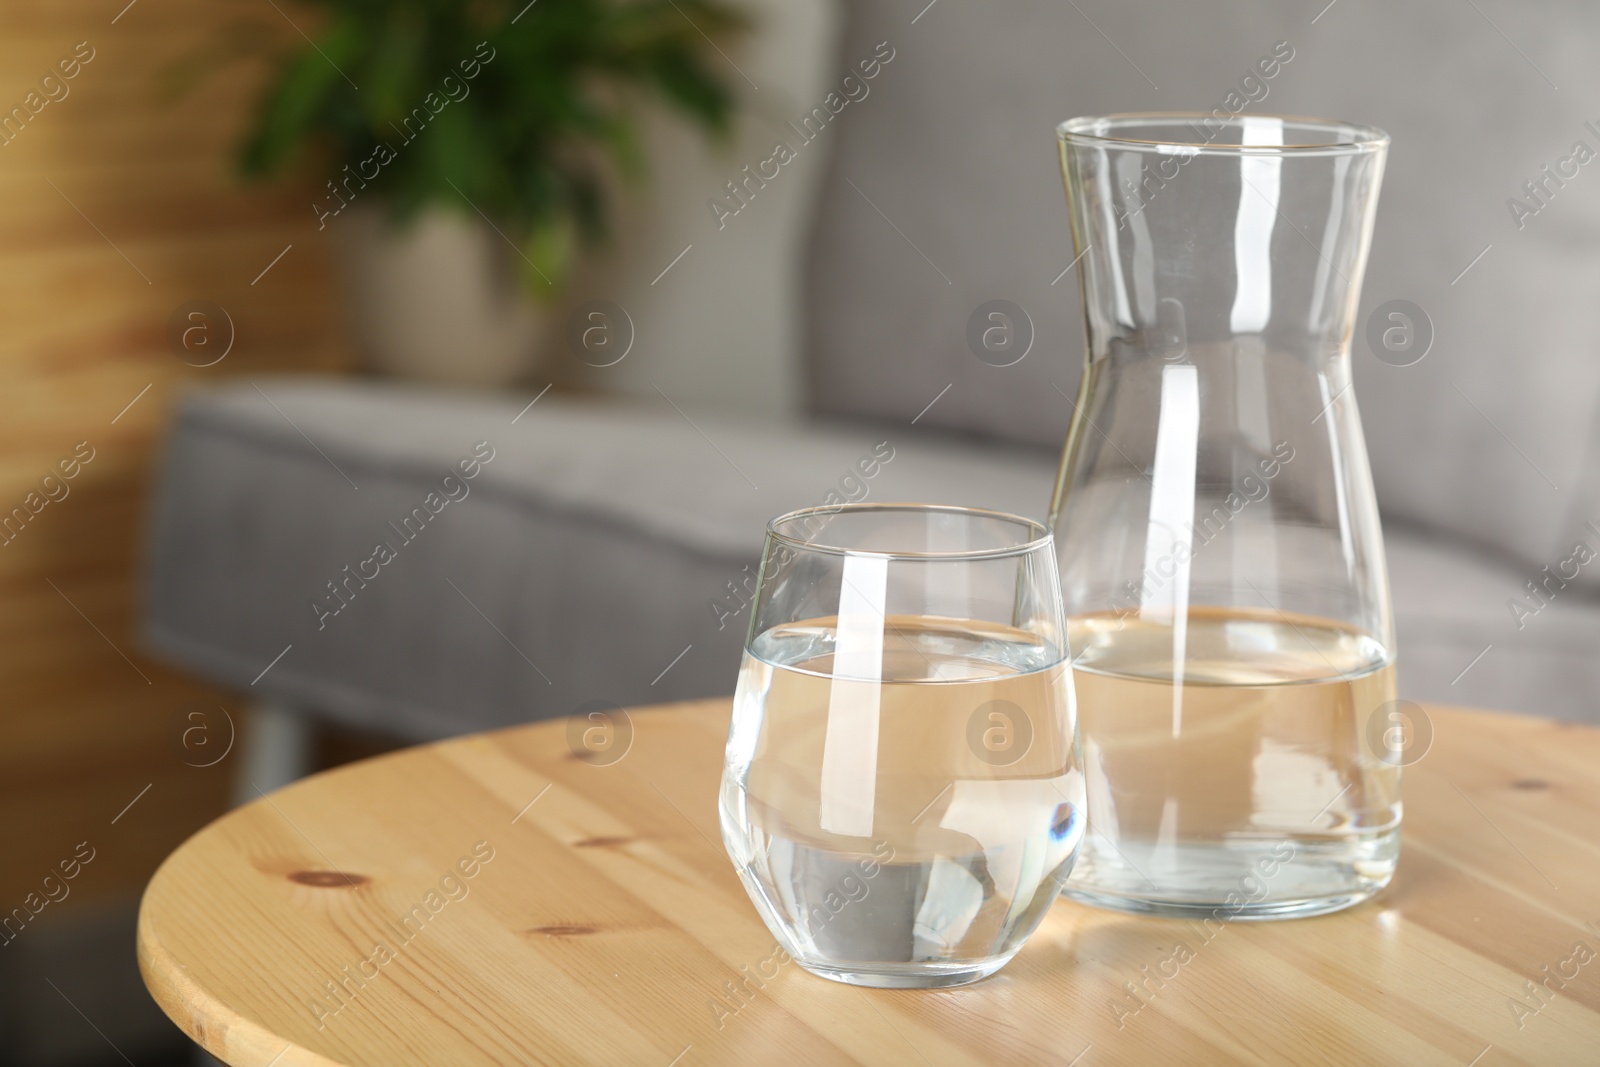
902, 795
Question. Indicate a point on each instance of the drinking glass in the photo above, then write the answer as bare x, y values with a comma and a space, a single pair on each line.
1220, 553
902, 795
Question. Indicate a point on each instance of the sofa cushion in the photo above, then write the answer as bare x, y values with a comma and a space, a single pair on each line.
602, 552
592, 546
1460, 643
945, 193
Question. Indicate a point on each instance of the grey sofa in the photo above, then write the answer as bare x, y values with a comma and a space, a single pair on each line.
602, 551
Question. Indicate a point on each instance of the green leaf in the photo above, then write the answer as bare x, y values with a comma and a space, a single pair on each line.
549, 251
289, 115
389, 79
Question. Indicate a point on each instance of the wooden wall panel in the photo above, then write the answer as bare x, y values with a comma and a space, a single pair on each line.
155, 218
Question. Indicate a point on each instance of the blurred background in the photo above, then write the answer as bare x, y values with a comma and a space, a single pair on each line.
275, 273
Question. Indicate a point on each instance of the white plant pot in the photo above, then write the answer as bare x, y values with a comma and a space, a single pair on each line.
437, 299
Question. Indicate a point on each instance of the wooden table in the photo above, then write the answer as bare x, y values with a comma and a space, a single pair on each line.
497, 900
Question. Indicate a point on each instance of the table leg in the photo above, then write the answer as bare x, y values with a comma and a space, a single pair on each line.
276, 749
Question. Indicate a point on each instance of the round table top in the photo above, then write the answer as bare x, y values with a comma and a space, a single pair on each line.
497, 900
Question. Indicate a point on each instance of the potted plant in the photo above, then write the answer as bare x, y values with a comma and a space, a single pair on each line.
469, 146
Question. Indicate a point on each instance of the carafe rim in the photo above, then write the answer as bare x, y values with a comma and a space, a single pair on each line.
1198, 133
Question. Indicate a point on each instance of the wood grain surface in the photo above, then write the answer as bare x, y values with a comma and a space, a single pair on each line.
497, 900
118, 205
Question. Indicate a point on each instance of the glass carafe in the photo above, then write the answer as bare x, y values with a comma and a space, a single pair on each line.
1220, 555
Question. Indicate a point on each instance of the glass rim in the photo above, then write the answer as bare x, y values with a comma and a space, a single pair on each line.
1338, 137
1039, 537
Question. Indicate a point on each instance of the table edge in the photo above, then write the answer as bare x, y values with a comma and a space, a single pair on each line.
209, 1022
203, 1018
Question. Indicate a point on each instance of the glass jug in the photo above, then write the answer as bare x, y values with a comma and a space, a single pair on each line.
1220, 555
